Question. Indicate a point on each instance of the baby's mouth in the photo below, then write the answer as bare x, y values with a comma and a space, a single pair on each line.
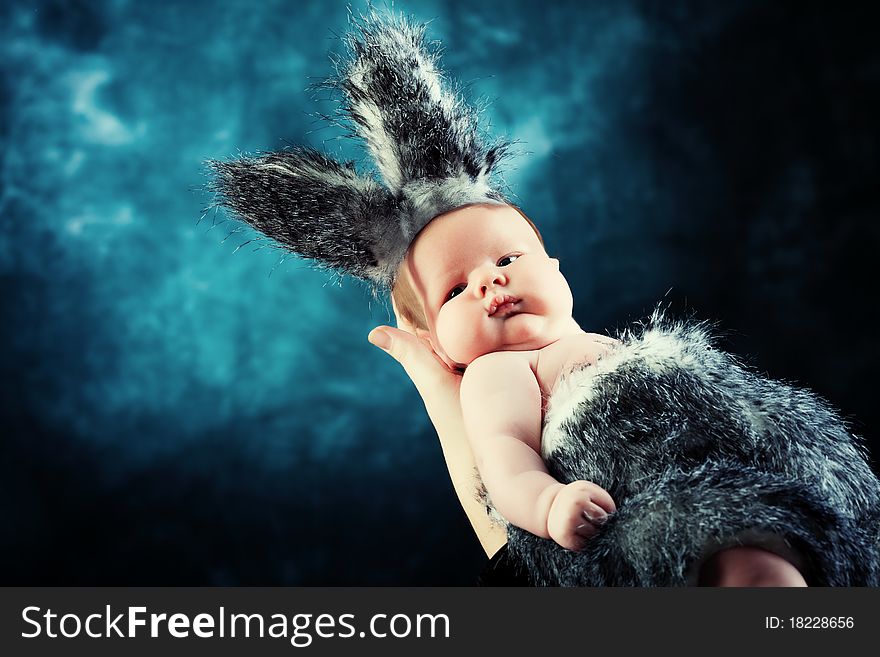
503, 305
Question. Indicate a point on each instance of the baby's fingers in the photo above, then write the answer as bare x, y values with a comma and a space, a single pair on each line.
600, 497
587, 525
594, 514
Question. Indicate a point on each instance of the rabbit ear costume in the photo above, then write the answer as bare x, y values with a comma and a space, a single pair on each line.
698, 453
421, 135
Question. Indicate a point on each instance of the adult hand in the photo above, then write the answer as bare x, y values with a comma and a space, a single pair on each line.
437, 383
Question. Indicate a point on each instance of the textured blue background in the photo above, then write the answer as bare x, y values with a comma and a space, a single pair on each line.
172, 414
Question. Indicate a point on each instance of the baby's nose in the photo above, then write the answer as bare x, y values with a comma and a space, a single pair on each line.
491, 280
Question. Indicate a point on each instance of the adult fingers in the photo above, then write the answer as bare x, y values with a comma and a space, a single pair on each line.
419, 361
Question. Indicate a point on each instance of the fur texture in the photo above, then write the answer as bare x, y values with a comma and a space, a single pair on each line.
700, 454
422, 136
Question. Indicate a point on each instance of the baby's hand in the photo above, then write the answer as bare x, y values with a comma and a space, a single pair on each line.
575, 513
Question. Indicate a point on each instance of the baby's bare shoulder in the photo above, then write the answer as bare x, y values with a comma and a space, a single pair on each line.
501, 366
497, 372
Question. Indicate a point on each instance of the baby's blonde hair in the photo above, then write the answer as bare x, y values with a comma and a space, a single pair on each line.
409, 305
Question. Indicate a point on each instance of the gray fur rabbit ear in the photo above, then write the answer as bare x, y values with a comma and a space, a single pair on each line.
316, 207
424, 141
421, 134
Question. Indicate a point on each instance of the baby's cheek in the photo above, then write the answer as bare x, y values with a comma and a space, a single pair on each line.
558, 287
460, 343
447, 335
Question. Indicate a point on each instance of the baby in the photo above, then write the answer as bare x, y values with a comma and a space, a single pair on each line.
478, 284
492, 300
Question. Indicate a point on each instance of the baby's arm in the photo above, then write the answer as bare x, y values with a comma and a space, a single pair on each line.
501, 405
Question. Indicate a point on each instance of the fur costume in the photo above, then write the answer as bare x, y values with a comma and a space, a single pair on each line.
697, 452
701, 454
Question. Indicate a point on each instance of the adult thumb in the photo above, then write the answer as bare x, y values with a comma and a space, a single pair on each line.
415, 355
419, 361
400, 344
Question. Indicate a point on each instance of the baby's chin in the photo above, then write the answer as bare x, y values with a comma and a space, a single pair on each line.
530, 332
527, 345
522, 333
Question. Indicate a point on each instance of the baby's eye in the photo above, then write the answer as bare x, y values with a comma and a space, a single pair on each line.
506, 260
454, 292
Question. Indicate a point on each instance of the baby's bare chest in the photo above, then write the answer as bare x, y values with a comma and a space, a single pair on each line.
556, 359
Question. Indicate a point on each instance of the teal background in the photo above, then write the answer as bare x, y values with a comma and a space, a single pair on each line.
175, 412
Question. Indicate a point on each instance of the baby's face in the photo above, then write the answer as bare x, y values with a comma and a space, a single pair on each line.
487, 284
